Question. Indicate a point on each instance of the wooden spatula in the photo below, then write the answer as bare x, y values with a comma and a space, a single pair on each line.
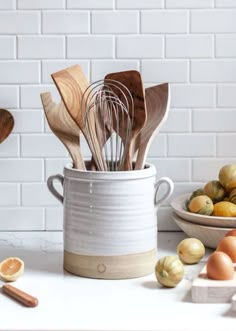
157, 104
64, 127
72, 83
6, 124
133, 82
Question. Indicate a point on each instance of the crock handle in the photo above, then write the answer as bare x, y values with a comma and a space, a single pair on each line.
170, 187
51, 187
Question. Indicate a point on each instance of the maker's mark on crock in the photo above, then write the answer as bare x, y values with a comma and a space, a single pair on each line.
101, 268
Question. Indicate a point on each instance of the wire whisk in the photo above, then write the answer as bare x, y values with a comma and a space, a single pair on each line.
108, 119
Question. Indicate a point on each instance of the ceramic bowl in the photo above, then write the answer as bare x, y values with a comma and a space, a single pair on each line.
178, 205
209, 235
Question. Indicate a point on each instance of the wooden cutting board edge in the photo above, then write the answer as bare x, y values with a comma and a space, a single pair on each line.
206, 290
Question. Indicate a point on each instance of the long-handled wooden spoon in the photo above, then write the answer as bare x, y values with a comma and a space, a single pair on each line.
137, 111
64, 127
157, 103
6, 124
72, 83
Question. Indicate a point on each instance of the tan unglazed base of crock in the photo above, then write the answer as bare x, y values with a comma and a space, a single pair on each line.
111, 267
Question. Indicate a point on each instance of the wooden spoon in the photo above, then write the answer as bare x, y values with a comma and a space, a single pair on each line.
19, 295
64, 127
6, 124
157, 103
72, 83
137, 112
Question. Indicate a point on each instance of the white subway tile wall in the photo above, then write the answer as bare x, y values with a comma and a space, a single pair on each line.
188, 43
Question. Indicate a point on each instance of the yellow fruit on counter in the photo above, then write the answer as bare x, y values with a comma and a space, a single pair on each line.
227, 176
11, 269
169, 271
201, 204
214, 190
190, 250
225, 209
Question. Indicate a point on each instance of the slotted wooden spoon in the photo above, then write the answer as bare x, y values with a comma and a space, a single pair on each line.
157, 103
6, 124
64, 127
71, 84
137, 112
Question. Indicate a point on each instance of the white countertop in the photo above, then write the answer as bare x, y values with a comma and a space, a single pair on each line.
68, 302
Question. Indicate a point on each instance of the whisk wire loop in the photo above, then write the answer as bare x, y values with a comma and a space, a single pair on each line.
108, 118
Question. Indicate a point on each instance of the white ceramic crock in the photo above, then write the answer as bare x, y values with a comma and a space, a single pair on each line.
110, 222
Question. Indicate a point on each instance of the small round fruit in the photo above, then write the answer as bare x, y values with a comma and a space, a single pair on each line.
190, 250
227, 176
231, 233
219, 266
228, 246
194, 194
225, 209
11, 269
169, 271
201, 204
214, 190
232, 196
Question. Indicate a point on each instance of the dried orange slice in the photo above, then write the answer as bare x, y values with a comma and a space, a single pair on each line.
11, 269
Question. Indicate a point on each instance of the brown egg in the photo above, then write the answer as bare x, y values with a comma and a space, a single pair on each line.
231, 233
228, 246
220, 266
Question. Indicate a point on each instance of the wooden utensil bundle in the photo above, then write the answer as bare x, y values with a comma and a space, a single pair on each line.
120, 98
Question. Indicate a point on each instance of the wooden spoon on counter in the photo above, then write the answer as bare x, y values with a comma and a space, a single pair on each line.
72, 83
157, 103
64, 127
137, 111
6, 124
19, 295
